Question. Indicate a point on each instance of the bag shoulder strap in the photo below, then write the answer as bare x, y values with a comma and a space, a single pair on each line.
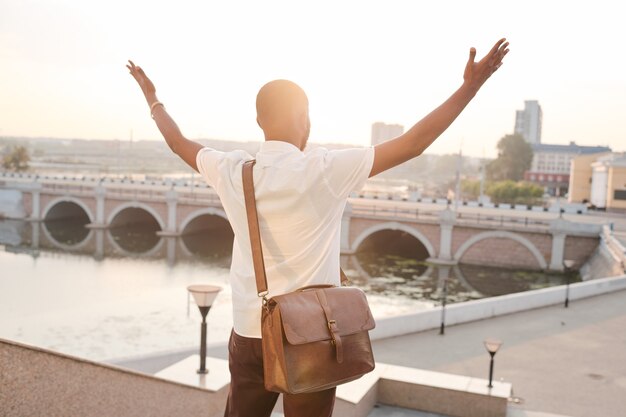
253, 228
255, 233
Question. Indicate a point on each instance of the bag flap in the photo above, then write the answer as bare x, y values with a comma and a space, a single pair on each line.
304, 320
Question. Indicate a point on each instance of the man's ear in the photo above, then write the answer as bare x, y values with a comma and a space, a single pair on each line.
259, 123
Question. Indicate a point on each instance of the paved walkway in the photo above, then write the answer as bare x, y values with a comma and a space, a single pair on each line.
569, 362
563, 361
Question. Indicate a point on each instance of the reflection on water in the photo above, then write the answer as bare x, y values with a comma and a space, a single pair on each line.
97, 296
396, 276
115, 293
217, 248
209, 237
136, 238
376, 273
68, 232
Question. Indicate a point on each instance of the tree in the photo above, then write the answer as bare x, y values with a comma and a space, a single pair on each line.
514, 193
470, 189
505, 191
16, 159
514, 158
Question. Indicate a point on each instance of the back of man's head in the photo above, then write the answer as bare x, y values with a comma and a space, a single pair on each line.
279, 101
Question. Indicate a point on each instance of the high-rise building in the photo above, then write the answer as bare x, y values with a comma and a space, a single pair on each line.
528, 121
383, 131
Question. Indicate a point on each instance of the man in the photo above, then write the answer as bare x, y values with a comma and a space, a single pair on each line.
300, 200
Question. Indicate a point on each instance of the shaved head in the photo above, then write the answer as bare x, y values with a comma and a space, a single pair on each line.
282, 109
279, 98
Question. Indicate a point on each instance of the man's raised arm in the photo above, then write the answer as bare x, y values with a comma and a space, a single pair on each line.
414, 141
180, 145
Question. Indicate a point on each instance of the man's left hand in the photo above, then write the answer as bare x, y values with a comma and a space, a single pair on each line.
476, 73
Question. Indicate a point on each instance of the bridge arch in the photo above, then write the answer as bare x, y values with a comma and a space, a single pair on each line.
212, 211
133, 204
504, 235
394, 226
68, 199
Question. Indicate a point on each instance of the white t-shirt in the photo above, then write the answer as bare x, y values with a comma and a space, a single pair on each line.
300, 200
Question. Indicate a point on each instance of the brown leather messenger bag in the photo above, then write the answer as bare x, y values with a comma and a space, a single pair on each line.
314, 338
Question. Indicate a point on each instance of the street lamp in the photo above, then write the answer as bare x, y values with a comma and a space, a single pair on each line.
568, 264
442, 327
203, 295
492, 346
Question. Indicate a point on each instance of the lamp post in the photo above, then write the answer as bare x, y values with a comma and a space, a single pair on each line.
568, 264
442, 327
203, 295
492, 346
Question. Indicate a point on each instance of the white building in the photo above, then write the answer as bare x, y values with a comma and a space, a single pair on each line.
608, 186
528, 121
383, 131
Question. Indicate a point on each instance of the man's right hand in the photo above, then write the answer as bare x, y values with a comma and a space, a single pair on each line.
180, 145
147, 87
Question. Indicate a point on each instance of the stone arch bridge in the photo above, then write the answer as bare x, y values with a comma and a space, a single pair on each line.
448, 237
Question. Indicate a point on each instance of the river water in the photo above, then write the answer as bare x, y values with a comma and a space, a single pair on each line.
104, 294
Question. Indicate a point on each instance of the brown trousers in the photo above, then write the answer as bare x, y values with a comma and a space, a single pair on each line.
249, 398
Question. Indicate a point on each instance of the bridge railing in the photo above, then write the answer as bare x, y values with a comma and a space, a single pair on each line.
93, 180
402, 213
135, 194
394, 212
210, 198
504, 221
204, 196
88, 190
78, 190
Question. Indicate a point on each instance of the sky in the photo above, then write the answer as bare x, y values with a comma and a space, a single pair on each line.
63, 74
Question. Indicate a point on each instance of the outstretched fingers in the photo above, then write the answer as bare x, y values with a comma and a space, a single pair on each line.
497, 46
502, 50
497, 53
500, 54
136, 71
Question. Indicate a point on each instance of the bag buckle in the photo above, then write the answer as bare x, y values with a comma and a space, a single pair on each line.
263, 294
332, 323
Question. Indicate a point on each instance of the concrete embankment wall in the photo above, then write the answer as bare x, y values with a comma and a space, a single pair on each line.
608, 260
36, 382
11, 204
603, 263
492, 307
